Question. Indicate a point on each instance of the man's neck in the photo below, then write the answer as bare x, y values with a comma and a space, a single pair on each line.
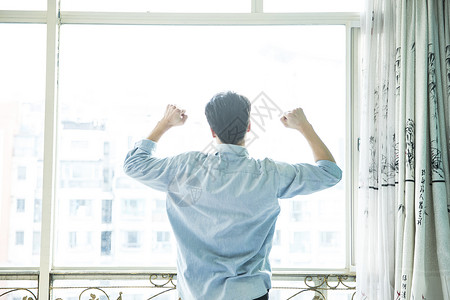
242, 144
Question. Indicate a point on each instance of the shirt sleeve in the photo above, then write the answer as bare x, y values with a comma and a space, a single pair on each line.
141, 165
303, 179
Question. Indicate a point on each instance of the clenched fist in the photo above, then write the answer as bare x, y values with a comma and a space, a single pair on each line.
174, 116
295, 119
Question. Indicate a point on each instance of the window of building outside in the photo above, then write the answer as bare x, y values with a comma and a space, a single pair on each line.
132, 239
21, 173
106, 243
80, 208
72, 239
133, 207
106, 211
329, 239
20, 207
37, 212
20, 237
161, 241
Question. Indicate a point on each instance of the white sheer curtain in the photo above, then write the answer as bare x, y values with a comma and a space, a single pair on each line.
404, 201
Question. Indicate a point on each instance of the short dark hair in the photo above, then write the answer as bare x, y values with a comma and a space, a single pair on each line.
228, 114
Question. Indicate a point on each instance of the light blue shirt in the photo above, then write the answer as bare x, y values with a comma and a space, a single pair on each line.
223, 208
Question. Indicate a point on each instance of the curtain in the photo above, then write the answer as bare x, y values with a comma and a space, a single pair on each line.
403, 239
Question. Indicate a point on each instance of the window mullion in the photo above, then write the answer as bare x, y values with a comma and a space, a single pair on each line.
257, 6
348, 145
351, 145
50, 124
355, 138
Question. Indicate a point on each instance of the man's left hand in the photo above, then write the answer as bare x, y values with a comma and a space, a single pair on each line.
174, 116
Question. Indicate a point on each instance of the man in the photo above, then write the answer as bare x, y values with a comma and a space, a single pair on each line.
223, 207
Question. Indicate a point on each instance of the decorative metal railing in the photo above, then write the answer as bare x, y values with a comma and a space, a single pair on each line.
162, 286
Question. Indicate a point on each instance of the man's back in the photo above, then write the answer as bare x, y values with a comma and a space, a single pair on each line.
223, 209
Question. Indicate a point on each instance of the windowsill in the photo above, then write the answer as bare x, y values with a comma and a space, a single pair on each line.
277, 274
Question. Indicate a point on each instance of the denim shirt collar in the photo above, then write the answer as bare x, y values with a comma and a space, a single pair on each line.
236, 150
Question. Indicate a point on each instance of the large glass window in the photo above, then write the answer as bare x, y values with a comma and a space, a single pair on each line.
173, 6
22, 92
312, 6
115, 82
23, 5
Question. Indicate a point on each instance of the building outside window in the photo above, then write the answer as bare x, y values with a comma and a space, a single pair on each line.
80, 240
301, 242
72, 239
133, 207
20, 238
161, 241
106, 211
37, 213
106, 243
21, 172
301, 211
132, 239
80, 208
20, 205
329, 239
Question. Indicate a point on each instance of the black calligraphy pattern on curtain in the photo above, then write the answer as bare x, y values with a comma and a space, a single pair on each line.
447, 63
437, 166
410, 146
373, 166
385, 108
376, 96
397, 72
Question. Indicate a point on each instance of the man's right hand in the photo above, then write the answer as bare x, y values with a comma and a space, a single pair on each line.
295, 119
174, 116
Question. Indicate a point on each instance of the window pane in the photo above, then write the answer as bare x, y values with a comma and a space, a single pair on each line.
22, 92
23, 4
177, 6
312, 6
115, 82
9, 283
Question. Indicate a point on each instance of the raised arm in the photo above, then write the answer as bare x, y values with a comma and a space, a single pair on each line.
296, 119
173, 116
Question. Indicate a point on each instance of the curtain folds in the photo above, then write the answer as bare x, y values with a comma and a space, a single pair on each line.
403, 249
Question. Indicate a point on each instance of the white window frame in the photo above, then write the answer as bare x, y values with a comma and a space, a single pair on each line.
54, 18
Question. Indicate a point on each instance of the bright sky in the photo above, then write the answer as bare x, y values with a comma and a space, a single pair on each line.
128, 74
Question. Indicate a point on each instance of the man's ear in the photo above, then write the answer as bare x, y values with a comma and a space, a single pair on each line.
249, 126
213, 133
